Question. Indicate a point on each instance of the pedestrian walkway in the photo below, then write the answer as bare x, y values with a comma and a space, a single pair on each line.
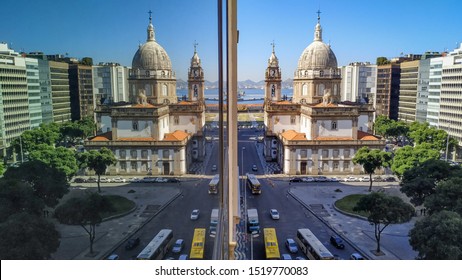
359, 232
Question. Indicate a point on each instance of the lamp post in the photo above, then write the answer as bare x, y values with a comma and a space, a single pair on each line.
245, 190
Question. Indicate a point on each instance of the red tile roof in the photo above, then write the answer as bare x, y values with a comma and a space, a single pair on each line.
366, 136
103, 137
293, 135
177, 135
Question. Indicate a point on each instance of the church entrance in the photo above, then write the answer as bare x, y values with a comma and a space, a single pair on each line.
166, 168
303, 167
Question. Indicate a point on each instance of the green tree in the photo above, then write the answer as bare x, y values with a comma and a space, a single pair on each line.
409, 157
60, 158
424, 133
98, 161
18, 197
88, 126
371, 160
381, 125
27, 237
390, 128
384, 210
420, 181
45, 134
437, 237
381, 60
47, 182
447, 196
2, 168
87, 61
85, 211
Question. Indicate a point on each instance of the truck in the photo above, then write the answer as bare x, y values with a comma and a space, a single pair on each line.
253, 224
213, 222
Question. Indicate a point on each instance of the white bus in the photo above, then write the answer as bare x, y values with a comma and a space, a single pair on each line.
213, 185
311, 246
158, 247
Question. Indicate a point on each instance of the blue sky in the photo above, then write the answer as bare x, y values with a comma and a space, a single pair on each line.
110, 31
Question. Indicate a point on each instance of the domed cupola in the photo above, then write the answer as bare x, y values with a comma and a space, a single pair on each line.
151, 56
318, 55
273, 61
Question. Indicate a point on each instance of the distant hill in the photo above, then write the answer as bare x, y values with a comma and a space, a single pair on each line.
247, 84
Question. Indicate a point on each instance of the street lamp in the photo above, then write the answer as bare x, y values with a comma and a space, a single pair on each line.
245, 189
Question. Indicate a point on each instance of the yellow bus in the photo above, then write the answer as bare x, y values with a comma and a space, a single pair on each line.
271, 244
311, 246
158, 247
198, 243
213, 185
253, 184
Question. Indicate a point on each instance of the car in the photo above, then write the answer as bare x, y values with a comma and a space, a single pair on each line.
390, 179
178, 246
90, 180
118, 180
308, 179
274, 214
183, 257
104, 180
79, 180
295, 180
113, 257
300, 258
214, 167
377, 179
364, 179
160, 180
195, 214
356, 256
148, 180
291, 245
337, 242
173, 180
134, 180
321, 179
132, 243
254, 167
286, 257
332, 179
350, 179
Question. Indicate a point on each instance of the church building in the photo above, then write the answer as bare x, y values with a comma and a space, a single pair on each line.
154, 133
315, 133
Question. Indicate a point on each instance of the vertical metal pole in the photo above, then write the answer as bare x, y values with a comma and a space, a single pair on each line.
20, 146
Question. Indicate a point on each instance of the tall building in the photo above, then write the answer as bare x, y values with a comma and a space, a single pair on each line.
110, 83
358, 82
46, 102
387, 97
33, 88
60, 94
450, 116
315, 133
15, 101
434, 91
81, 91
154, 133
408, 91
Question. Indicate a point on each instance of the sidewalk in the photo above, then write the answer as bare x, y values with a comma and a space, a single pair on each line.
319, 200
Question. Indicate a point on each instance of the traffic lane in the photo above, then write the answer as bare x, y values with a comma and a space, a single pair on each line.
176, 216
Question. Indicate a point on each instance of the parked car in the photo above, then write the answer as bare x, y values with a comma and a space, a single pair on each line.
300, 258
160, 180
79, 180
286, 257
291, 245
118, 180
333, 179
173, 180
337, 242
183, 257
214, 167
320, 179
178, 246
104, 180
254, 167
308, 179
364, 179
195, 214
90, 180
390, 179
350, 179
295, 180
377, 179
132, 243
274, 214
148, 180
356, 256
134, 180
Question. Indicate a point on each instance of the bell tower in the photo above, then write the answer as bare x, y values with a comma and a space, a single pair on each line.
195, 78
273, 78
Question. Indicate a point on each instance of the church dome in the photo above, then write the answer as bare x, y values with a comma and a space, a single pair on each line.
317, 55
151, 55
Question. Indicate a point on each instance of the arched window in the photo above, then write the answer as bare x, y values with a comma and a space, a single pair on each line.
164, 90
305, 89
334, 125
273, 91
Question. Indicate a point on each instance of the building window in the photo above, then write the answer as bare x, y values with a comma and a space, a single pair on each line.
133, 154
165, 154
346, 153
134, 166
144, 154
334, 125
325, 153
336, 153
346, 165
122, 154
176, 120
123, 166
292, 120
305, 90
303, 153
135, 125
164, 90
335, 165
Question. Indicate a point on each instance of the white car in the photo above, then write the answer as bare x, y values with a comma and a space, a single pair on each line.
308, 179
195, 214
364, 179
104, 180
350, 179
160, 180
118, 180
274, 214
